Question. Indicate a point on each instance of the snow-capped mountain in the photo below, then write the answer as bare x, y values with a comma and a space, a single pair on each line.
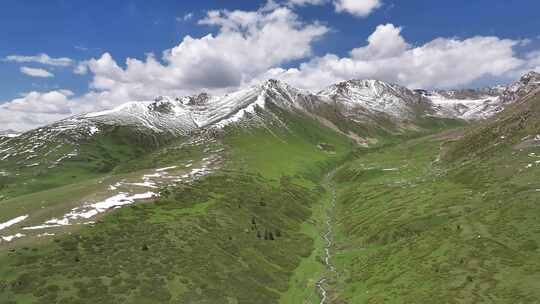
482, 103
181, 115
372, 103
374, 96
472, 105
525, 85
151, 121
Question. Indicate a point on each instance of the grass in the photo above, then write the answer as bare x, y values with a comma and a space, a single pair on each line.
292, 151
307, 274
410, 227
237, 236
112, 151
211, 252
210, 243
431, 232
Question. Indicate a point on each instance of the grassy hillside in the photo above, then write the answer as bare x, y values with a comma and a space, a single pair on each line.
251, 231
69, 158
238, 236
414, 229
516, 128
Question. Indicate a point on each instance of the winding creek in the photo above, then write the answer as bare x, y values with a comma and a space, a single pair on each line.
330, 269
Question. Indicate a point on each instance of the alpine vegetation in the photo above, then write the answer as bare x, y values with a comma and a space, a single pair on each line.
247, 166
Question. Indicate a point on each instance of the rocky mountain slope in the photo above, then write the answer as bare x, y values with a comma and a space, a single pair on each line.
481, 103
358, 108
376, 97
516, 128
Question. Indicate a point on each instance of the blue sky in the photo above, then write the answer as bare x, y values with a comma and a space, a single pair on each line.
85, 30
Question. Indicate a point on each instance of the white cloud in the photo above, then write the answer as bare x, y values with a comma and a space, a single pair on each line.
533, 62
21, 121
186, 17
360, 8
385, 42
442, 62
247, 44
305, 2
40, 58
53, 102
81, 68
34, 72
35, 109
81, 48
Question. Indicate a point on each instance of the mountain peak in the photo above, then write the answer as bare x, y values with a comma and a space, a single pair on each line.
163, 104
529, 77
527, 83
373, 87
360, 83
272, 84
195, 100
281, 91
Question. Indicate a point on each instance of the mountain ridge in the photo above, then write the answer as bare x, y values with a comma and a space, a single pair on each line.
180, 115
359, 109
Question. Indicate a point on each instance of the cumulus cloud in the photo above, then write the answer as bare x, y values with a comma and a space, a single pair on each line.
442, 62
385, 42
21, 121
247, 44
360, 8
40, 58
53, 102
36, 108
81, 68
36, 72
533, 62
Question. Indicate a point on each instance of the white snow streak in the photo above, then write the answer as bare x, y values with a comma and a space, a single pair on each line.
13, 221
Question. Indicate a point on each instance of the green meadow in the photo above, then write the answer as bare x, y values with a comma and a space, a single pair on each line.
415, 222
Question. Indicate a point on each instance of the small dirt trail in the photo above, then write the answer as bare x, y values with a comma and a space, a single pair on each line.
327, 236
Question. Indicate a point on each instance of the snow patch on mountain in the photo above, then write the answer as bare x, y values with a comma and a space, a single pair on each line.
468, 109
372, 95
481, 103
184, 114
162, 115
13, 221
360, 101
10, 238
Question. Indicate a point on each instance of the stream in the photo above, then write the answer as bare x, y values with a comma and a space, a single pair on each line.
327, 256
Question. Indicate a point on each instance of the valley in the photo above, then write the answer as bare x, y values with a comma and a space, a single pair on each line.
362, 193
